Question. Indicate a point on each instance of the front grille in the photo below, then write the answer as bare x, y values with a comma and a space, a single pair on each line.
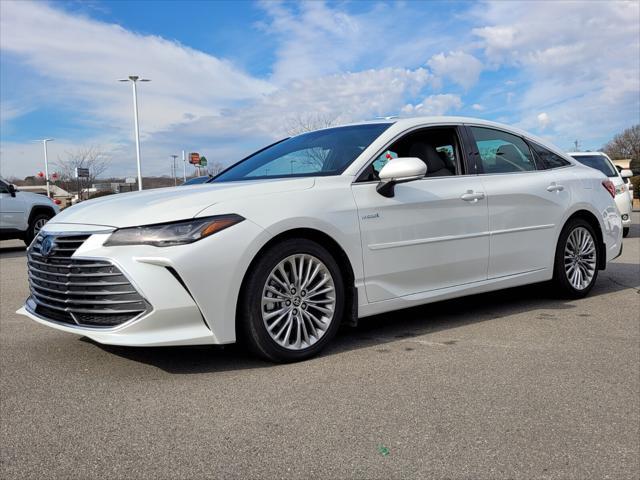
85, 292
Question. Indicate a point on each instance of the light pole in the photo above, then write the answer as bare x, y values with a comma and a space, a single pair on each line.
46, 163
173, 169
184, 167
135, 79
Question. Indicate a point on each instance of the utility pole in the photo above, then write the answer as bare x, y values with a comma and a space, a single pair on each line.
576, 145
184, 167
173, 170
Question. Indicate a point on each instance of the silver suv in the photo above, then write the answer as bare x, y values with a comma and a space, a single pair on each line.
23, 214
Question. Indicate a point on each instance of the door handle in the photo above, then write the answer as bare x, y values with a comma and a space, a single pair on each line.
554, 187
471, 196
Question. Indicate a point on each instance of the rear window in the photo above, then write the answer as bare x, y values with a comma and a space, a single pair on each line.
547, 158
599, 162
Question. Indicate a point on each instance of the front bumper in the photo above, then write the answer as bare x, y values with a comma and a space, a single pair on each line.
192, 289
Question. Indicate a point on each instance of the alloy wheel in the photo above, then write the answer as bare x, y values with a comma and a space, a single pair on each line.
580, 258
38, 224
298, 301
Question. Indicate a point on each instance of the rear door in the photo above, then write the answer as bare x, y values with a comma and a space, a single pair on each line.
433, 233
526, 202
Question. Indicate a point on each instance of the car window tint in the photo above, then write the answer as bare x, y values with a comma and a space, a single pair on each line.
501, 152
599, 162
437, 147
308, 160
547, 158
322, 152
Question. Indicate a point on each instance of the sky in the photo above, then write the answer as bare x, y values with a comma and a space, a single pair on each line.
230, 77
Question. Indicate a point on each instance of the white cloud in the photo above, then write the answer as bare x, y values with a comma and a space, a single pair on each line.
434, 105
578, 62
460, 67
477, 107
543, 120
81, 60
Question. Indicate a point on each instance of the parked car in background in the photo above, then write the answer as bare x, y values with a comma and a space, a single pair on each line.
23, 214
197, 180
620, 178
321, 229
627, 180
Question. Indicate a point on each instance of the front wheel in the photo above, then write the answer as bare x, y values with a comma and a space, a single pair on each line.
36, 224
625, 231
292, 302
576, 260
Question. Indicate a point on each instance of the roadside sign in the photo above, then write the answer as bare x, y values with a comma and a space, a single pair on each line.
82, 172
194, 158
203, 161
130, 180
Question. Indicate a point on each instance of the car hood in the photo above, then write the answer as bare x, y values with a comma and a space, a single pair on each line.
170, 204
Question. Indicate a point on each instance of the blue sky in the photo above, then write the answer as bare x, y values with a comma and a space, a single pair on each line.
228, 77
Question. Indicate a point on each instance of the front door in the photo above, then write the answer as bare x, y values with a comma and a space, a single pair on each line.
12, 209
433, 232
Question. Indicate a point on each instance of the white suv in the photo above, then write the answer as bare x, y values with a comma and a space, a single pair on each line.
624, 197
23, 214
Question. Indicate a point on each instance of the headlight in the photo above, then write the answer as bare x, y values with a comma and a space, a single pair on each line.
174, 233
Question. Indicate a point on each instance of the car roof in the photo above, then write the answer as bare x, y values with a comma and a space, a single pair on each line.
403, 123
584, 154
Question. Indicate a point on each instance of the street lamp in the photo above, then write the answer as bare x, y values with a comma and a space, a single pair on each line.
46, 163
135, 79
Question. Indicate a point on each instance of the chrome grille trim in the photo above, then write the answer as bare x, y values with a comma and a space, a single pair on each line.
81, 292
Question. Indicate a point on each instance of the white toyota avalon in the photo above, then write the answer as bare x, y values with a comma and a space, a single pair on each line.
322, 229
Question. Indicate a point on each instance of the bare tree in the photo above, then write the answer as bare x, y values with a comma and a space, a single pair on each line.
302, 123
626, 145
91, 158
214, 168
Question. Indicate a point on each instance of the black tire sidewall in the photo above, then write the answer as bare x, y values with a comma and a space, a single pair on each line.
30, 235
252, 325
560, 275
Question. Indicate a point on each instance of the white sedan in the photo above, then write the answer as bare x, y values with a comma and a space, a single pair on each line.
321, 229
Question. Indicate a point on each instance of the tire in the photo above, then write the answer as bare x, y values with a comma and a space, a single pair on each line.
310, 328
585, 259
625, 231
36, 223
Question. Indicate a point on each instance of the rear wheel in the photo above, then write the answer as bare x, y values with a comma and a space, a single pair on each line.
577, 259
625, 231
37, 222
293, 300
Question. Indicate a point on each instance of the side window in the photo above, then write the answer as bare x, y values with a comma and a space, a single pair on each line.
4, 188
437, 147
502, 152
547, 158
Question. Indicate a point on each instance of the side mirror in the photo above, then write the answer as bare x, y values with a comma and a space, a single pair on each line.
12, 190
626, 173
400, 170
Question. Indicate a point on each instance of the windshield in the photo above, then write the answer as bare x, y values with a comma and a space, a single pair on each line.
324, 152
197, 180
598, 162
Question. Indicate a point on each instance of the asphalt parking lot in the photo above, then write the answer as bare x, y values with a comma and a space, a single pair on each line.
513, 384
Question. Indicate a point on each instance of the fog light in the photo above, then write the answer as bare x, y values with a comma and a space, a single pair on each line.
625, 217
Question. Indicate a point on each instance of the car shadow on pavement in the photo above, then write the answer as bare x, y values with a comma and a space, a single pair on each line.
389, 327
13, 251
